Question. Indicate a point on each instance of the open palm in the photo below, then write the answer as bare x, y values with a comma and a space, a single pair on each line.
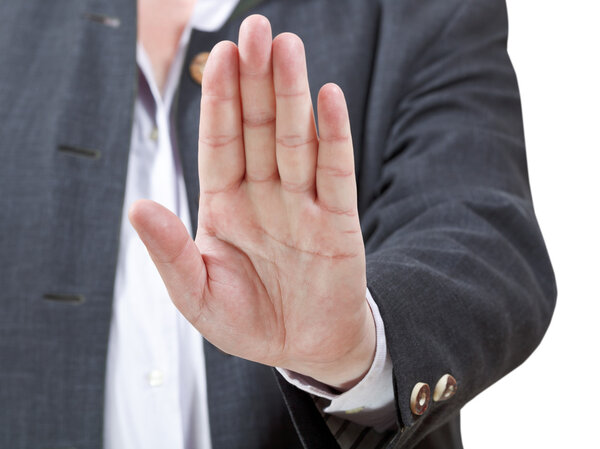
276, 273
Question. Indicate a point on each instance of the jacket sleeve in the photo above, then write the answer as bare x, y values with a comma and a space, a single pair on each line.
455, 258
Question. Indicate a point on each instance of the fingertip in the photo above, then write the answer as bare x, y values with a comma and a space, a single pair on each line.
161, 231
224, 46
150, 218
288, 43
332, 111
331, 91
289, 65
138, 211
222, 65
256, 23
222, 52
255, 41
331, 98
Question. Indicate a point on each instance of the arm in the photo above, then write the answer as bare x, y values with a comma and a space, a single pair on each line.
455, 258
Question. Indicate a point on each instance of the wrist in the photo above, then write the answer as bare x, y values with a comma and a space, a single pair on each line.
351, 368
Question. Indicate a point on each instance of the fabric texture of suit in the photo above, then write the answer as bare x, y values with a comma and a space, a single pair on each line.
455, 259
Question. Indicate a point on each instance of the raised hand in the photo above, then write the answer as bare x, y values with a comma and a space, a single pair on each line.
276, 273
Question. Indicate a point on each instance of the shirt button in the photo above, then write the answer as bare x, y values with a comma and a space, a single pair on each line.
354, 410
156, 378
154, 134
197, 66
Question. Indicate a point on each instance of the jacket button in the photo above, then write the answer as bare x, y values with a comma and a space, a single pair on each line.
197, 66
419, 399
445, 388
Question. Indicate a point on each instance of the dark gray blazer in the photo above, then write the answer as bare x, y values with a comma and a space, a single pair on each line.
455, 258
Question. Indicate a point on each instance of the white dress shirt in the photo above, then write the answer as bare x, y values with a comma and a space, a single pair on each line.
155, 393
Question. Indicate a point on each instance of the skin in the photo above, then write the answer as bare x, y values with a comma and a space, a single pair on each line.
160, 24
276, 273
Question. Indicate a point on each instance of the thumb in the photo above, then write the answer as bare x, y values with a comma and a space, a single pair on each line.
174, 253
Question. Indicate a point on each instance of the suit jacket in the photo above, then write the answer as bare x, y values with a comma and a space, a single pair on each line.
455, 259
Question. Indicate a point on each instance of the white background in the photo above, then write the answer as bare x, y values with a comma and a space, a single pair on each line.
553, 400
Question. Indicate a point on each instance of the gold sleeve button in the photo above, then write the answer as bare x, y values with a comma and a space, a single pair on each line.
445, 388
419, 399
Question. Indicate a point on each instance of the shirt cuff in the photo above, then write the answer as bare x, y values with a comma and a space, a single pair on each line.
371, 401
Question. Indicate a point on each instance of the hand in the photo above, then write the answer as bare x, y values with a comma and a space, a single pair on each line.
276, 273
